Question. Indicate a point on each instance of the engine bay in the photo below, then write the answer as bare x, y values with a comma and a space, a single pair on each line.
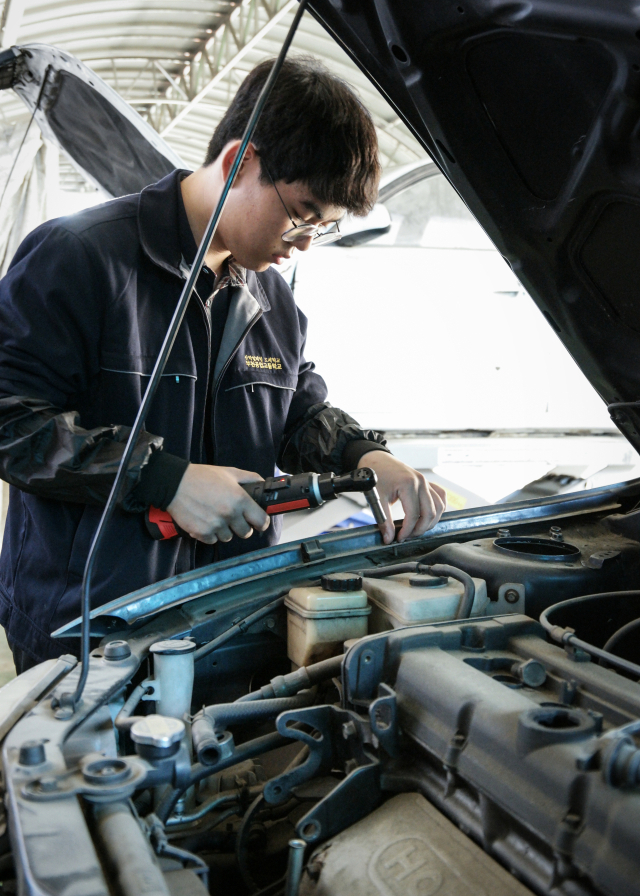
449, 715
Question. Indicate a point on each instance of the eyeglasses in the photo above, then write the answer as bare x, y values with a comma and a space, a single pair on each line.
299, 232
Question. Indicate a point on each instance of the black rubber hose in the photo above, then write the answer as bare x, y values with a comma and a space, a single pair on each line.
566, 636
238, 627
381, 572
622, 633
294, 682
218, 717
198, 772
242, 844
466, 604
546, 623
437, 569
124, 720
325, 669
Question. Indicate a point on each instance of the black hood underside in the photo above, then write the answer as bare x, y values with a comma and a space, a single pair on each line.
104, 138
532, 111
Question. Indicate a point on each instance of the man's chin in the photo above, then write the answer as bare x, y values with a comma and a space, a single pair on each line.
257, 266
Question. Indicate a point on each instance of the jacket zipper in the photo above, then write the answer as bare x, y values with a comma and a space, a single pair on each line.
249, 326
206, 314
206, 309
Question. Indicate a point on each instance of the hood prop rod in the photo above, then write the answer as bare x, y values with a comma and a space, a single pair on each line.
71, 700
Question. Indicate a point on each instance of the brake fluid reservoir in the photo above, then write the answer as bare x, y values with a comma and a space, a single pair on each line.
321, 619
173, 664
411, 599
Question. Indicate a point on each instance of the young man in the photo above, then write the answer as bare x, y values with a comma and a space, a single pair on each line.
83, 312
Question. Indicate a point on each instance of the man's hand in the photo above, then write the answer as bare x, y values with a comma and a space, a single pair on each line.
423, 502
211, 506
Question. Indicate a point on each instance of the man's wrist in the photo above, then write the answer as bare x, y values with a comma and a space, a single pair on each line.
159, 479
356, 449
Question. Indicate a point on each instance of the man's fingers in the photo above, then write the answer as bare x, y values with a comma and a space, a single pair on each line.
223, 532
240, 526
410, 498
245, 475
205, 538
433, 502
255, 516
423, 508
388, 530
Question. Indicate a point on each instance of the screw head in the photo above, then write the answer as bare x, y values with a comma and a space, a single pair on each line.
511, 596
32, 752
47, 784
116, 650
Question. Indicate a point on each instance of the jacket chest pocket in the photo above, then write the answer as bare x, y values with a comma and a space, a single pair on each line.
252, 385
259, 394
252, 372
123, 382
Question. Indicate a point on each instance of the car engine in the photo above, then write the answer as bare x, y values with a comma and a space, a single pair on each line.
453, 715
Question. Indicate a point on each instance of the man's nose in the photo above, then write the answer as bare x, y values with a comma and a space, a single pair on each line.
304, 244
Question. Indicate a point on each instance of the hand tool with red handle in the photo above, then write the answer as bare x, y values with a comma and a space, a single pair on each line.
284, 494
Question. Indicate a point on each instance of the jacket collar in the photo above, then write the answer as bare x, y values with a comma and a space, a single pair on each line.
160, 235
158, 222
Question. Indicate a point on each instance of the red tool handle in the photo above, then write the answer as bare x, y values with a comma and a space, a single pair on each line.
160, 524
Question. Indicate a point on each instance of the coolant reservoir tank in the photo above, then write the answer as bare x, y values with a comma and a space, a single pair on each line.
321, 618
412, 599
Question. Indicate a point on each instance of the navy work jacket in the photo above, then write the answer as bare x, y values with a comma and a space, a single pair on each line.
83, 312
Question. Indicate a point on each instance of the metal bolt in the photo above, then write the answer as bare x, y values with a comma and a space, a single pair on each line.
532, 673
556, 533
32, 752
349, 730
295, 865
270, 623
511, 596
47, 785
116, 650
504, 533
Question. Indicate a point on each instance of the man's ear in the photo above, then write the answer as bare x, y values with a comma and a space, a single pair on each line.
229, 155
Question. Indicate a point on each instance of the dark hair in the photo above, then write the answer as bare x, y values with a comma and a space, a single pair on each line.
313, 129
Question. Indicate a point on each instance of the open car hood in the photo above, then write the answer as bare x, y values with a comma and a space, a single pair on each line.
530, 108
106, 140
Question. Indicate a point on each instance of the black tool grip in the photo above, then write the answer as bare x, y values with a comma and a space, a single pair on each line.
283, 494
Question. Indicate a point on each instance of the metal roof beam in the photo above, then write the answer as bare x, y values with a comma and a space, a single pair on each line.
228, 53
11, 21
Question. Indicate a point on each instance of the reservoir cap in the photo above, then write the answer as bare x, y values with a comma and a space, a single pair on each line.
173, 646
157, 731
341, 581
